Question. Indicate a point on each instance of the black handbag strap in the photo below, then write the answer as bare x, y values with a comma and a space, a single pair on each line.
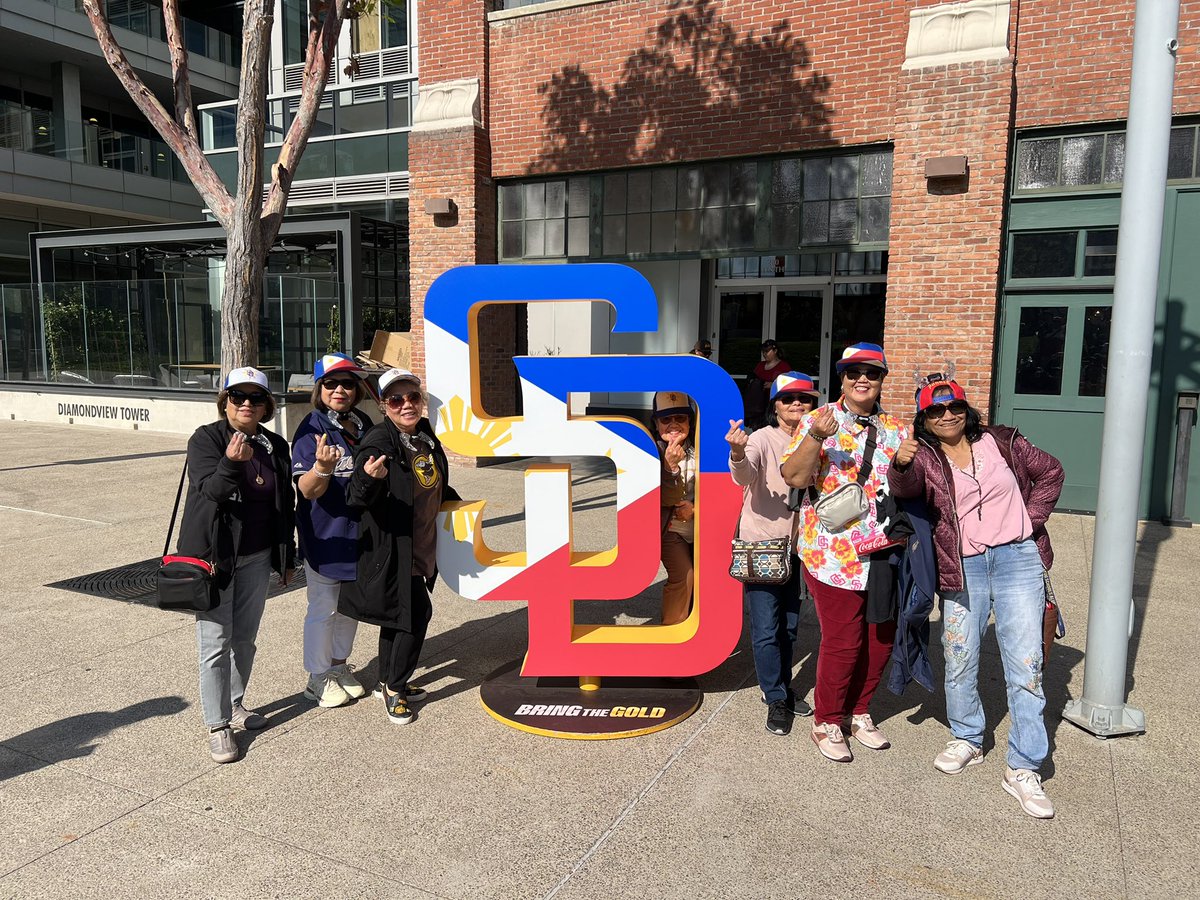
175, 511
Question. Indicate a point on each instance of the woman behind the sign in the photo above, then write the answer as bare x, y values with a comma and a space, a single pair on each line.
239, 514
674, 422
398, 485
832, 445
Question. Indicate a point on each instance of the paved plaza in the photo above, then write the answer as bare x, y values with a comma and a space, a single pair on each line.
107, 789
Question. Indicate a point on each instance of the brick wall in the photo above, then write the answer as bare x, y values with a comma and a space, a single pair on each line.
946, 239
632, 82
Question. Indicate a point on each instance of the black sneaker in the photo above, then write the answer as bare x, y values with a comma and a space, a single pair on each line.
779, 717
798, 705
397, 708
414, 694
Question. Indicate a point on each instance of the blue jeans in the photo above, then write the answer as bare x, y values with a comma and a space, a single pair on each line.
1005, 580
774, 612
225, 638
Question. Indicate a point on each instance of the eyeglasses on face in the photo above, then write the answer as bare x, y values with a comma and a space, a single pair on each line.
937, 410
856, 373
790, 399
256, 398
331, 384
397, 401
674, 419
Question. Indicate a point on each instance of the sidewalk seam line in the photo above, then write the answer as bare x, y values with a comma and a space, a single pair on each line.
629, 807
1112, 768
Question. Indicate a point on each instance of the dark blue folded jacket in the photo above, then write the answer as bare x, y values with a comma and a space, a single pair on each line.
918, 585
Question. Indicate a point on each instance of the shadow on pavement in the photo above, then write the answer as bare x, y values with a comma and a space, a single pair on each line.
77, 736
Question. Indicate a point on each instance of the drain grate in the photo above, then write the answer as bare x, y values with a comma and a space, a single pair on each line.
137, 583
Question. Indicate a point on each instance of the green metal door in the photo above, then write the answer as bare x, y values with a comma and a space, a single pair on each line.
1053, 356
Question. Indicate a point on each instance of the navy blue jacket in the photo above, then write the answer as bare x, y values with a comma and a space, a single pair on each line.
918, 585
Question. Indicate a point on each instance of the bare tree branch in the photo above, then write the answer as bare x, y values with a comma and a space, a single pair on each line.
186, 147
252, 101
184, 114
322, 42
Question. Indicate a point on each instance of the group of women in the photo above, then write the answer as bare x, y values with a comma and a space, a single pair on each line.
985, 490
366, 516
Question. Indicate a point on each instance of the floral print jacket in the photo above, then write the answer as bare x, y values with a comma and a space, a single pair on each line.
832, 557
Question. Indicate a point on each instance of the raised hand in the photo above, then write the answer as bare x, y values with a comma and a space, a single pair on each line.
824, 423
376, 467
906, 451
736, 438
327, 456
239, 449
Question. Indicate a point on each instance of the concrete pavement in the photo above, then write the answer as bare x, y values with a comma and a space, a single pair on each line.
107, 790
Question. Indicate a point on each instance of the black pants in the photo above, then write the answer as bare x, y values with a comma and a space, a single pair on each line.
400, 650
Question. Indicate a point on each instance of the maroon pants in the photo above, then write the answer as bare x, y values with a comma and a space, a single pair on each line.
853, 652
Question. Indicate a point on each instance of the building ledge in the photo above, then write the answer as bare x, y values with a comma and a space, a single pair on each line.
533, 9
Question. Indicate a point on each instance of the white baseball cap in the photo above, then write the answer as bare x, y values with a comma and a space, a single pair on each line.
393, 375
246, 375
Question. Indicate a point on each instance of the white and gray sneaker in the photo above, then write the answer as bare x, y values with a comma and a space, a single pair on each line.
1026, 786
957, 756
345, 677
221, 745
326, 690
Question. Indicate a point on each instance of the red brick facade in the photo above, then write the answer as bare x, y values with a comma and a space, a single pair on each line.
637, 82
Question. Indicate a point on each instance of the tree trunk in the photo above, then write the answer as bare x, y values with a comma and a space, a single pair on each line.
241, 296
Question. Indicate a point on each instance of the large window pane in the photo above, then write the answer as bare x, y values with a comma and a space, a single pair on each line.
361, 109
1037, 163
1182, 152
1114, 158
1093, 364
1082, 159
362, 156
785, 181
876, 174
1044, 254
1100, 253
1041, 338
398, 152
740, 332
858, 314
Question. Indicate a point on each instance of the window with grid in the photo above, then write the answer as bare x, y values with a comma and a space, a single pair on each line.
1065, 162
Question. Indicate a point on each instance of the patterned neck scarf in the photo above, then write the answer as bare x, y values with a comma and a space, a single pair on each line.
408, 440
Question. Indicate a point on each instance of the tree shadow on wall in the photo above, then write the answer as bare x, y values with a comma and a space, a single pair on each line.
695, 84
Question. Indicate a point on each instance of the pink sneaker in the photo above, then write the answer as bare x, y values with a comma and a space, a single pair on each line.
831, 742
864, 731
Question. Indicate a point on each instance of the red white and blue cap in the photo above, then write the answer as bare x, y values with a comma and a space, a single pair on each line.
793, 383
862, 354
246, 375
939, 389
336, 362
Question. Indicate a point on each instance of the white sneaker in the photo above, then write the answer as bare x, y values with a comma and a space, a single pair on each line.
326, 690
1026, 786
957, 756
345, 677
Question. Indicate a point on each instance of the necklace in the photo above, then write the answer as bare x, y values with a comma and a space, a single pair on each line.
258, 479
978, 486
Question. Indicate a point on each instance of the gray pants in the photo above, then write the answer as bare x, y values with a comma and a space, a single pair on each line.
225, 638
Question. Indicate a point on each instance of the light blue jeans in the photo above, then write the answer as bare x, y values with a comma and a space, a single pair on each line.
225, 638
1005, 580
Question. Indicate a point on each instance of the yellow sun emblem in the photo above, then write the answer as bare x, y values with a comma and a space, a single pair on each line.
466, 435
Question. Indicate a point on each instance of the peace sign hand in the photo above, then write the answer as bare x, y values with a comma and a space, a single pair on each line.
376, 467
239, 449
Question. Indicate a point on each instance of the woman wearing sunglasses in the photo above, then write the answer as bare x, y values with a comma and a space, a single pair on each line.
398, 485
674, 423
989, 493
850, 442
322, 462
239, 514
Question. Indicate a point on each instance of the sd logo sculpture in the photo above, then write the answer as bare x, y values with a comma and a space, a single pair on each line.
550, 574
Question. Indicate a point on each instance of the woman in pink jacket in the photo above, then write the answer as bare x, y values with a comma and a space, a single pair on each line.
773, 609
989, 493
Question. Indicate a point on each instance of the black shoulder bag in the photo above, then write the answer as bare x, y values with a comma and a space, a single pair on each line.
184, 582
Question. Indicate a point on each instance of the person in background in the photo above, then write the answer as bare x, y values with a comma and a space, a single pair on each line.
399, 483
674, 421
772, 364
702, 347
773, 609
240, 515
828, 450
989, 492
757, 389
322, 462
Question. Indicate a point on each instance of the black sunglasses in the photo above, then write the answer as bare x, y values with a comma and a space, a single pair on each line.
855, 374
346, 384
257, 398
937, 410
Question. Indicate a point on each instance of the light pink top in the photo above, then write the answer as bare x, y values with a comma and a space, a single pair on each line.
991, 512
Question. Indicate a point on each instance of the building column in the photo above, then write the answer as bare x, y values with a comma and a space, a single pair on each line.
67, 113
953, 99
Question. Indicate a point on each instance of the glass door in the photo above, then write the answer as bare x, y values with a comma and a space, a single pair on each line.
799, 321
740, 329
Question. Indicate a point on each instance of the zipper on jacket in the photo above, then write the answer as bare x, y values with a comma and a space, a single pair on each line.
948, 477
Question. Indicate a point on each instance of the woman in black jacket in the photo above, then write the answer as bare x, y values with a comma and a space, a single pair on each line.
399, 484
239, 515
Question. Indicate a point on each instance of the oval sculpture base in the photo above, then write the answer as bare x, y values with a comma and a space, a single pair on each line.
558, 707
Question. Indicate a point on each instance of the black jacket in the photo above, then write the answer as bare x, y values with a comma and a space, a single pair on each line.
212, 518
382, 592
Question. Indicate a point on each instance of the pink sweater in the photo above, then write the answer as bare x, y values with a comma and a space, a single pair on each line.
764, 497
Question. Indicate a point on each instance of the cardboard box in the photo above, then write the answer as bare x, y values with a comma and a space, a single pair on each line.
389, 349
